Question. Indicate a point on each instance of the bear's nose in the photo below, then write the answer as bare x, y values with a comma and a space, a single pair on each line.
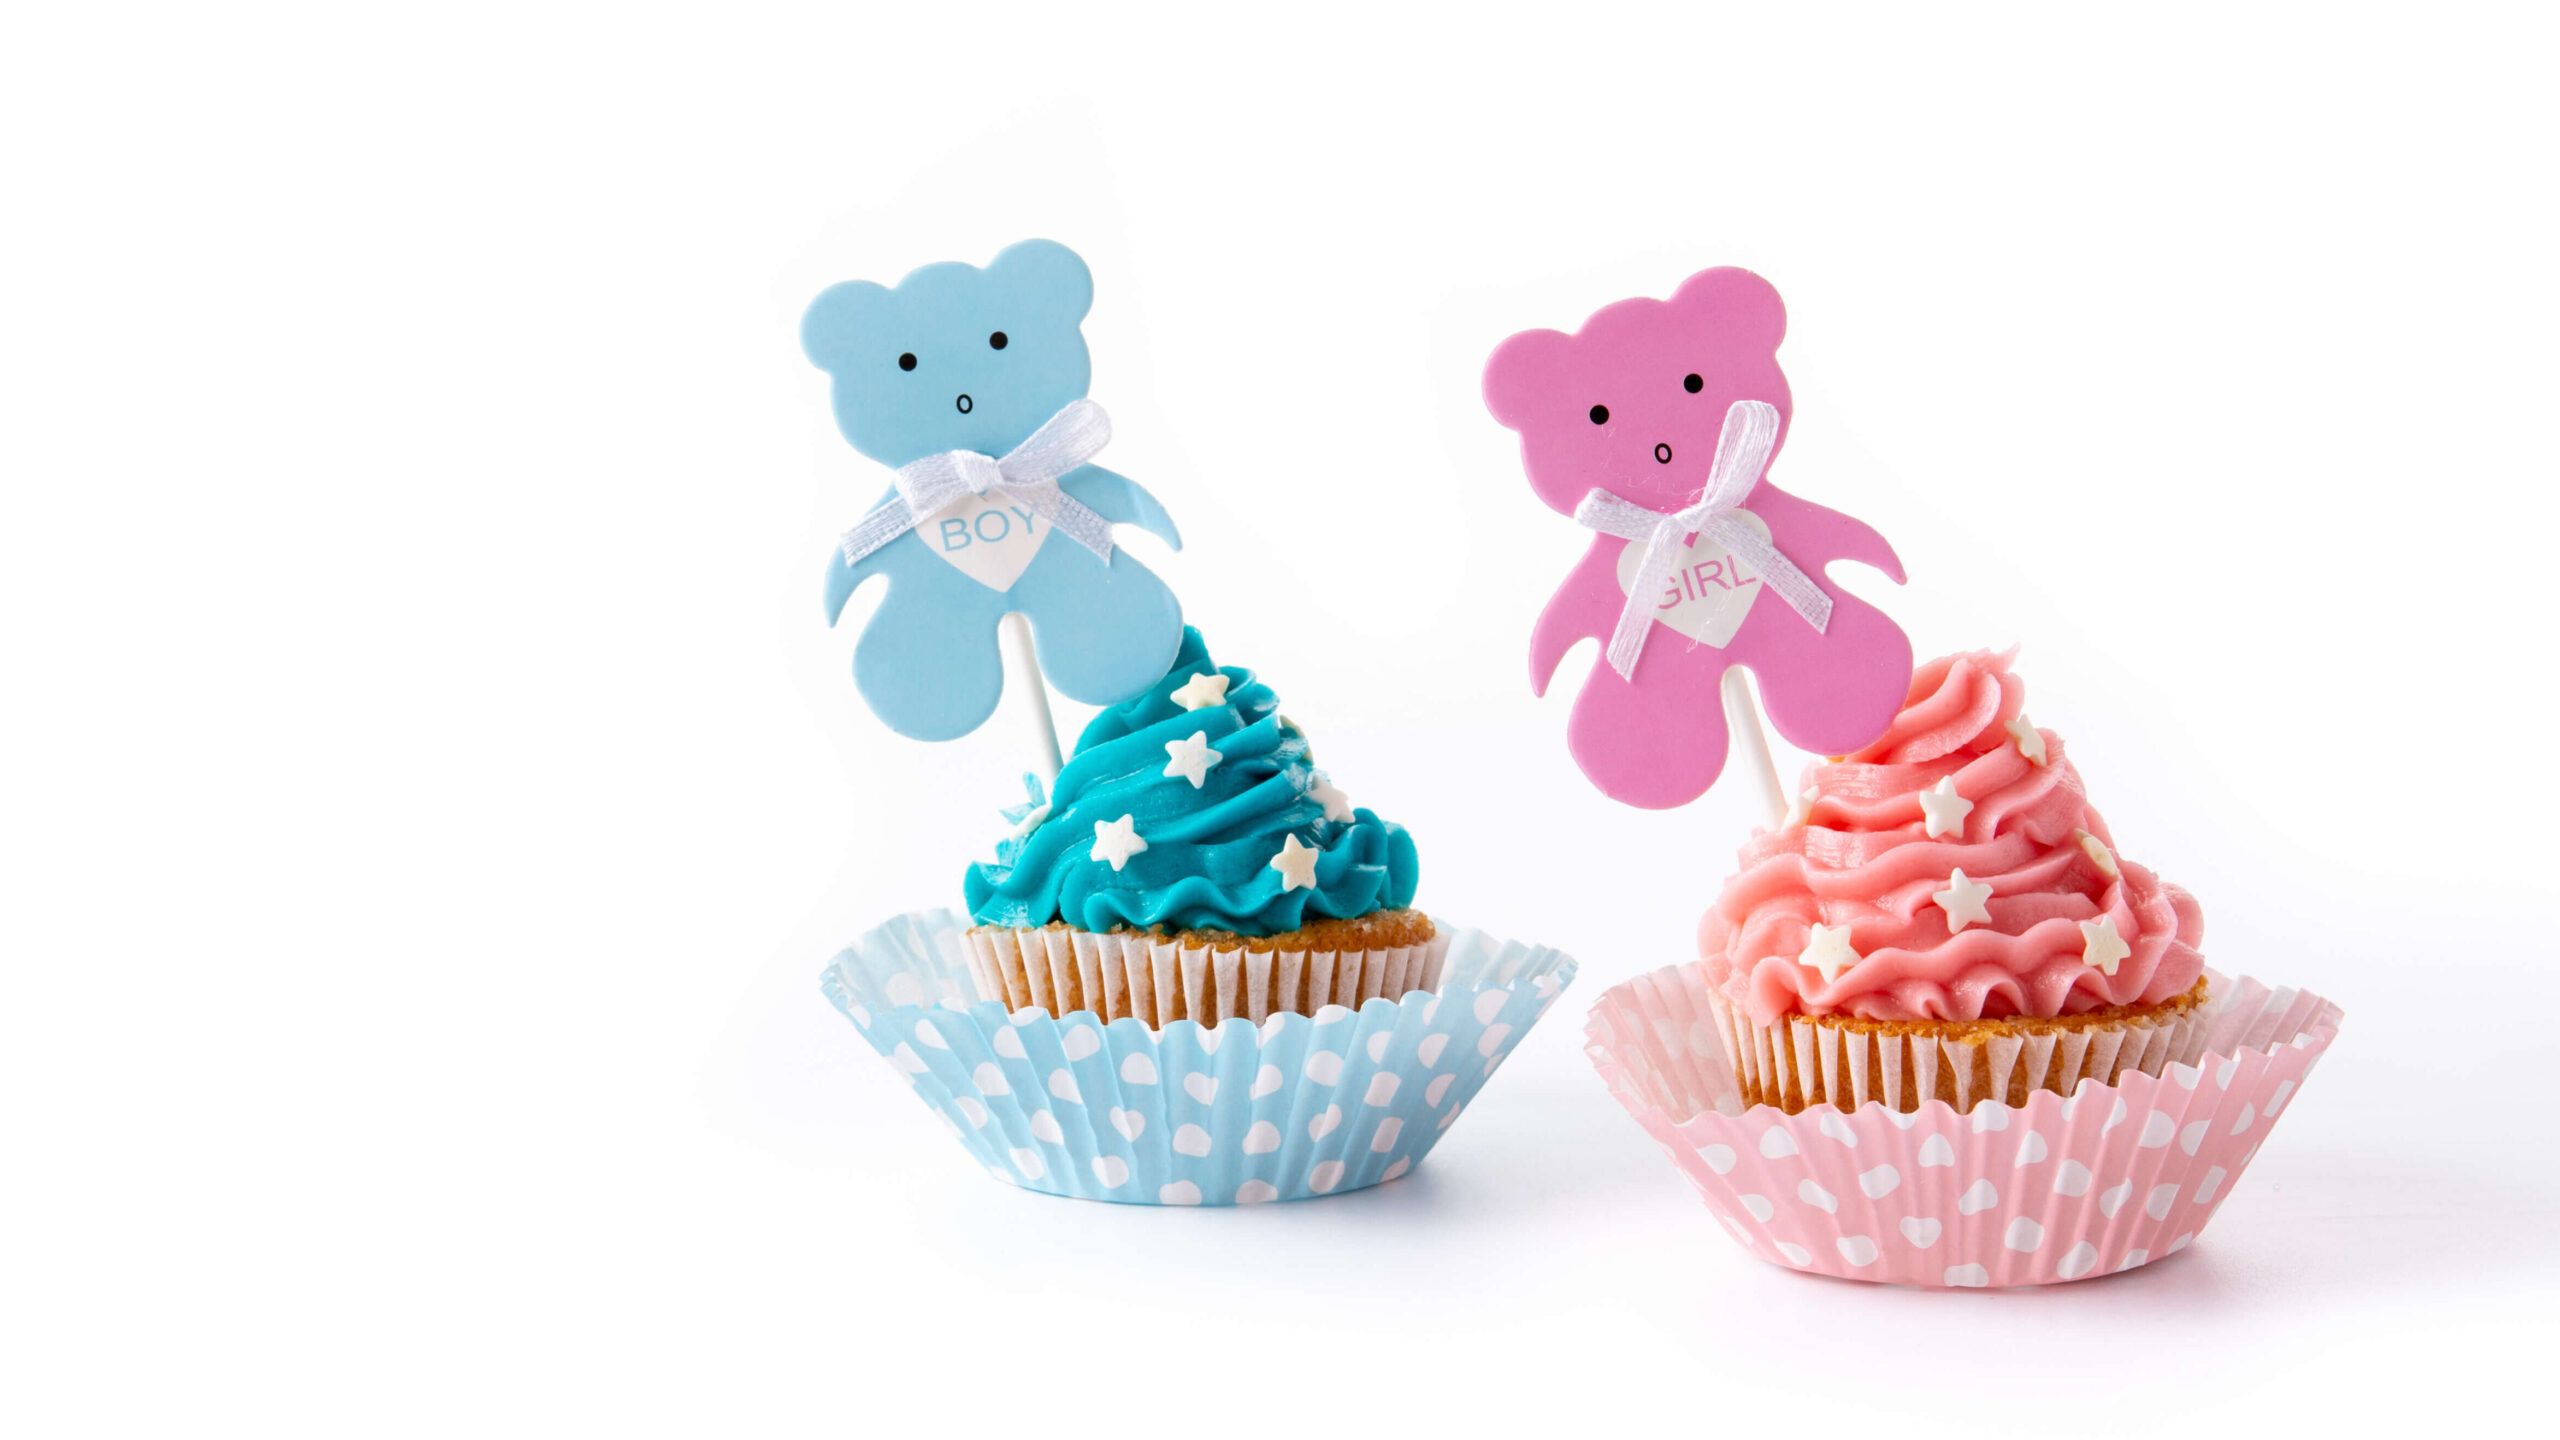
1661, 453
966, 404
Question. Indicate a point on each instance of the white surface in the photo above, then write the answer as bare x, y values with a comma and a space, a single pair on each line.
431, 792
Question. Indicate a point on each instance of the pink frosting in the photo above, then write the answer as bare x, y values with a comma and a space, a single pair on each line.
1863, 859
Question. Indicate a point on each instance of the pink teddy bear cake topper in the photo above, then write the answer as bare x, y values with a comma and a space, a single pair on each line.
1652, 426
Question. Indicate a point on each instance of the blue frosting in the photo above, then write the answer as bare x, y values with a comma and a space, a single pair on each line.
1207, 865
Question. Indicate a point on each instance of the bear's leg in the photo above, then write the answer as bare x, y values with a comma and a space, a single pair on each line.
1830, 693
927, 663
1104, 633
1658, 745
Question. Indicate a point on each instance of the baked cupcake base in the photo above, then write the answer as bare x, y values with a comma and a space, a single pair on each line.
1846, 1062
1157, 977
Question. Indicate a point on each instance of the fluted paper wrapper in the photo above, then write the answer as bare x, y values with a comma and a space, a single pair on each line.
1157, 981
1228, 1113
2117, 1175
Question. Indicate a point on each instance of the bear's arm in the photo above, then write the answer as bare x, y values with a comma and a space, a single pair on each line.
1120, 500
1584, 607
844, 579
1813, 536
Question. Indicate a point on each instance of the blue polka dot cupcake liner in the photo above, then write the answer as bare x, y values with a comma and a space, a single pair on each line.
1235, 1113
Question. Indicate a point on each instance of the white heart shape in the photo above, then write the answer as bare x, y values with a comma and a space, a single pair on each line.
2192, 1137
976, 1112
1439, 1087
2157, 1127
1936, 1151
1111, 1170
1398, 1168
1902, 1119
1324, 1067
2115, 1116
1969, 1276
2157, 1203
1385, 1139
1759, 1207
1063, 1085
2186, 1075
1129, 1123
1881, 1181
1328, 1014
905, 989
1796, 1255
1138, 1070
1719, 1158
861, 1019
1857, 1249
1776, 1143
1080, 1042
2032, 1148
1272, 1027
1987, 1116
1323, 1124
2276, 1101
2179, 1244
989, 538
2222, 1073
1191, 1140
2079, 1261
2111, 1199
1378, 1045
2212, 1181
1547, 986
1211, 1037
2248, 1117
1008, 1044
2133, 1258
2072, 1179
1979, 1196
1489, 1004
1491, 1040
1266, 1081
927, 1035
2023, 1234
1044, 1126
1254, 1192
906, 1059
1831, 1123
1028, 1162
1817, 1197
1262, 1139
1382, 1088
1709, 592
1428, 1052
1180, 1192
989, 1079
1921, 1231
1202, 1088
1325, 1176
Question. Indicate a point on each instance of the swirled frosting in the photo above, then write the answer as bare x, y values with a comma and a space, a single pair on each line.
1857, 853
1207, 858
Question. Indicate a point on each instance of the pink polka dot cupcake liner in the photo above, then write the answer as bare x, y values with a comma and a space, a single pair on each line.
1232, 1113
2115, 1176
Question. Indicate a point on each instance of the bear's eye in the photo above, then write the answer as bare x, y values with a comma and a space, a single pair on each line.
1694, 384
1599, 414
996, 340
907, 362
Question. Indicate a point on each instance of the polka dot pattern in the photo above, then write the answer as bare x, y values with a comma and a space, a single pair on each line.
1241, 1114
2057, 1189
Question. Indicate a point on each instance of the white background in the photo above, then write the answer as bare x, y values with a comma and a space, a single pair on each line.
431, 791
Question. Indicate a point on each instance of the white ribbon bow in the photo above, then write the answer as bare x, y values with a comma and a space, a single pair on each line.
1027, 474
1742, 452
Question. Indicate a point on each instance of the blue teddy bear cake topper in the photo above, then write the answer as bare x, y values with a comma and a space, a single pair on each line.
970, 384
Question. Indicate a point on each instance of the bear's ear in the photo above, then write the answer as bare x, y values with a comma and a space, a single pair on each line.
1520, 369
1049, 273
832, 331
1739, 305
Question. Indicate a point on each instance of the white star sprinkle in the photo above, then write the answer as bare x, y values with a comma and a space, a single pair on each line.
1190, 759
1116, 840
2098, 853
2101, 948
1942, 809
1297, 865
1801, 812
2030, 740
1962, 900
1828, 950
1202, 691
1337, 806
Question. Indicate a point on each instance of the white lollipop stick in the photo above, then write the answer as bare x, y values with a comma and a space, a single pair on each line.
1742, 718
1026, 673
